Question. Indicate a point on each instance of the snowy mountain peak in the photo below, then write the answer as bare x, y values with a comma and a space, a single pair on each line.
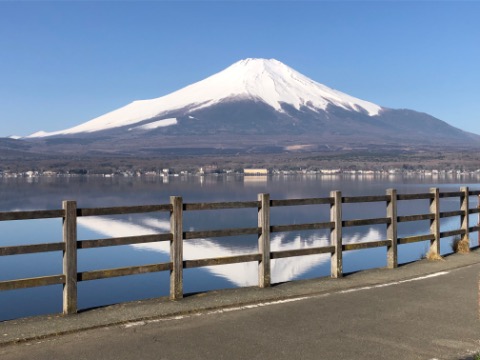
275, 83
265, 80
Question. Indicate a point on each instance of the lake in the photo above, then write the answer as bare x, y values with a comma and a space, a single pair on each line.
49, 192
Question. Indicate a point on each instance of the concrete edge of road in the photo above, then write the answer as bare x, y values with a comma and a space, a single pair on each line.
47, 326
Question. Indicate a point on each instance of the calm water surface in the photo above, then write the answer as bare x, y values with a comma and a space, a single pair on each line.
48, 193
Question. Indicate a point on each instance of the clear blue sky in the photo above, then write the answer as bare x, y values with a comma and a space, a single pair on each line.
64, 63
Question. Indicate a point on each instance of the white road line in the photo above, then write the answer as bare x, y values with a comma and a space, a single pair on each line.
394, 283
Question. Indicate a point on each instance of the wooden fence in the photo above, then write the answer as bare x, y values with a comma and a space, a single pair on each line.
70, 245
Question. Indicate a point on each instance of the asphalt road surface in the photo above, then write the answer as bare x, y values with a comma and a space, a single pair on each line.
430, 317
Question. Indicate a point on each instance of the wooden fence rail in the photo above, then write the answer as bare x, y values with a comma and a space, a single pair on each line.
335, 225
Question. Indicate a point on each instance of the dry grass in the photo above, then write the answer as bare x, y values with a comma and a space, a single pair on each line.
433, 256
461, 246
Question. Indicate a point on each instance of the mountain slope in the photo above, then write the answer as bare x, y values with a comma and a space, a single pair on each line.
267, 81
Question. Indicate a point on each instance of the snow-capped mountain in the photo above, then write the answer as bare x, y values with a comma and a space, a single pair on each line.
268, 81
255, 104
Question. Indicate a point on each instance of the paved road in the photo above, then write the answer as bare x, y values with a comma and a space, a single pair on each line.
432, 317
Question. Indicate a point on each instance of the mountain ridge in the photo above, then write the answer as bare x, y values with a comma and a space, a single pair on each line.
255, 103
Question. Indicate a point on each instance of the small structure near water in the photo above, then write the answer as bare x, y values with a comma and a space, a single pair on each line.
255, 172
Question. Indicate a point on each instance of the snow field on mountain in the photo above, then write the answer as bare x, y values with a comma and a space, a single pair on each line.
156, 124
269, 81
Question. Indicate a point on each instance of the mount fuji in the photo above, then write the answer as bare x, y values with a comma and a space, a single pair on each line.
259, 104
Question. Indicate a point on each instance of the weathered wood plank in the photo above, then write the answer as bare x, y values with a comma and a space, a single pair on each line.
474, 193
336, 235
264, 276
464, 218
366, 245
417, 238
363, 222
364, 199
301, 202
450, 194
188, 264
126, 271
127, 240
202, 234
220, 205
70, 257
415, 196
474, 211
435, 222
392, 229
31, 282
120, 210
302, 227
302, 252
418, 217
31, 249
30, 215
176, 248
445, 234
446, 214
474, 228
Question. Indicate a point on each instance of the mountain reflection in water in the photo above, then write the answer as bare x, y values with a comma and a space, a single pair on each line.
242, 274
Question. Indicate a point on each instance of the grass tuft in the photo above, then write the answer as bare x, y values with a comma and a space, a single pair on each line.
461, 246
433, 256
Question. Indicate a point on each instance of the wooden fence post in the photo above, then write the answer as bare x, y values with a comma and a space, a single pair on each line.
392, 229
435, 222
336, 234
176, 248
70, 257
264, 275
464, 218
